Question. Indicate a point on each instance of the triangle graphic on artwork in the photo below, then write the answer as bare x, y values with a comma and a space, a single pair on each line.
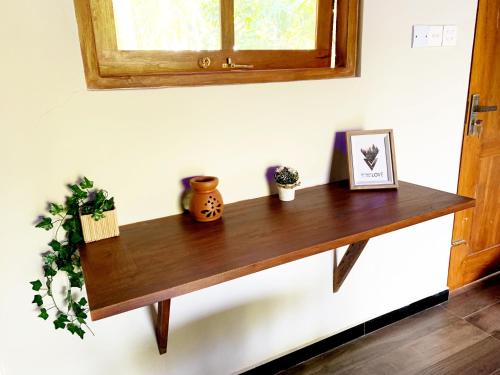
371, 163
370, 155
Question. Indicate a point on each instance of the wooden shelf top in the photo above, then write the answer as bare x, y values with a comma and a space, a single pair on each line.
163, 258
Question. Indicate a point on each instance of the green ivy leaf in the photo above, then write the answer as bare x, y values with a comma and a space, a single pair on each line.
75, 238
77, 192
43, 314
45, 223
82, 301
49, 258
71, 225
81, 320
38, 300
86, 183
59, 324
49, 271
72, 328
66, 252
63, 264
79, 313
72, 206
55, 209
109, 204
100, 198
76, 280
69, 268
36, 285
80, 332
63, 318
55, 245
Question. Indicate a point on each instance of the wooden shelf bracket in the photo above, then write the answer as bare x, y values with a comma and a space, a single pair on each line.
162, 325
340, 271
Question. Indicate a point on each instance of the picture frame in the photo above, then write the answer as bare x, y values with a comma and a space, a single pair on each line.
371, 159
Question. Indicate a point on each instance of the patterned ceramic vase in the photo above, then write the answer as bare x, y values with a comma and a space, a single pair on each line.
206, 202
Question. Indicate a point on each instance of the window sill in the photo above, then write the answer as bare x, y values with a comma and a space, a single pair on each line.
94, 81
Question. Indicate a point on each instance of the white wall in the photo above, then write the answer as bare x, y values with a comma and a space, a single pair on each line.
138, 144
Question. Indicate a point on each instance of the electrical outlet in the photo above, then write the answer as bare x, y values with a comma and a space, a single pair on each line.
435, 36
427, 36
420, 38
450, 34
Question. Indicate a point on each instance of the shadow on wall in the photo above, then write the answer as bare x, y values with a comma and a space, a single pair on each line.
338, 168
273, 189
186, 194
197, 338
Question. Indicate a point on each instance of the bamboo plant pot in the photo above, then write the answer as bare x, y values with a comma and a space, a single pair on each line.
106, 227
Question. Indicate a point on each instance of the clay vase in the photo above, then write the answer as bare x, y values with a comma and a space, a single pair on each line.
206, 202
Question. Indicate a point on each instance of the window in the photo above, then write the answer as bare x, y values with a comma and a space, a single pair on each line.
150, 43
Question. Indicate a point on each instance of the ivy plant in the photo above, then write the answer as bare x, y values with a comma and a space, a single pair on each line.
63, 256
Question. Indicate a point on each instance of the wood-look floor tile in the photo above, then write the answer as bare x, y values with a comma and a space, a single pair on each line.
418, 354
475, 297
482, 358
453, 338
377, 343
488, 320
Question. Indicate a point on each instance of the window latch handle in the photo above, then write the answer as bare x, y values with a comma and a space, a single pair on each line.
231, 65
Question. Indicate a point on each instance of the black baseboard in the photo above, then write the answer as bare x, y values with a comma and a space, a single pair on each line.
320, 347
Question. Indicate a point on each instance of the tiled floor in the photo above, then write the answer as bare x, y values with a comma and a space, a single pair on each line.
459, 337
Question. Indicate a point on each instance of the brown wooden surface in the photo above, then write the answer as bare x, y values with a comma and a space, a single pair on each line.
102, 63
118, 63
435, 341
159, 259
162, 323
324, 25
227, 24
480, 164
348, 261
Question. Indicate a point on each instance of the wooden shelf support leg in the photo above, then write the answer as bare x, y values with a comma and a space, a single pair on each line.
162, 325
340, 271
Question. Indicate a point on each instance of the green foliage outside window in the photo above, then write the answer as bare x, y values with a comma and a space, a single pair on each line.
177, 25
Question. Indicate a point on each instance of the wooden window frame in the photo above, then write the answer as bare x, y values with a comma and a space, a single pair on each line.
106, 67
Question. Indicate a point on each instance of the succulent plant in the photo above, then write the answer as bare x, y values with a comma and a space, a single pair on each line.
287, 177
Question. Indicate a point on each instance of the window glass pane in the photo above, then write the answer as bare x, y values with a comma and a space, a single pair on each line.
275, 24
171, 25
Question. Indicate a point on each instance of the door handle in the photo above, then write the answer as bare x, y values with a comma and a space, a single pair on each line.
475, 108
488, 108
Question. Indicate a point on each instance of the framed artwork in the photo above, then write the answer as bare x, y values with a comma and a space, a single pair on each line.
370, 155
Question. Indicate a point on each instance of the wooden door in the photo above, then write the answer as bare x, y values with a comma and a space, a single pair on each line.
475, 252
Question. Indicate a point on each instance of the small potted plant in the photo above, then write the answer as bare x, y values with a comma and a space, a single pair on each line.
63, 258
287, 179
98, 218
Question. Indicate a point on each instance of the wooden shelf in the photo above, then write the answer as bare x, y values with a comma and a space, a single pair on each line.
156, 260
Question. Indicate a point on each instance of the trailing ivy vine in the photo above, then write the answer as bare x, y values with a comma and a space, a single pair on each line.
64, 257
